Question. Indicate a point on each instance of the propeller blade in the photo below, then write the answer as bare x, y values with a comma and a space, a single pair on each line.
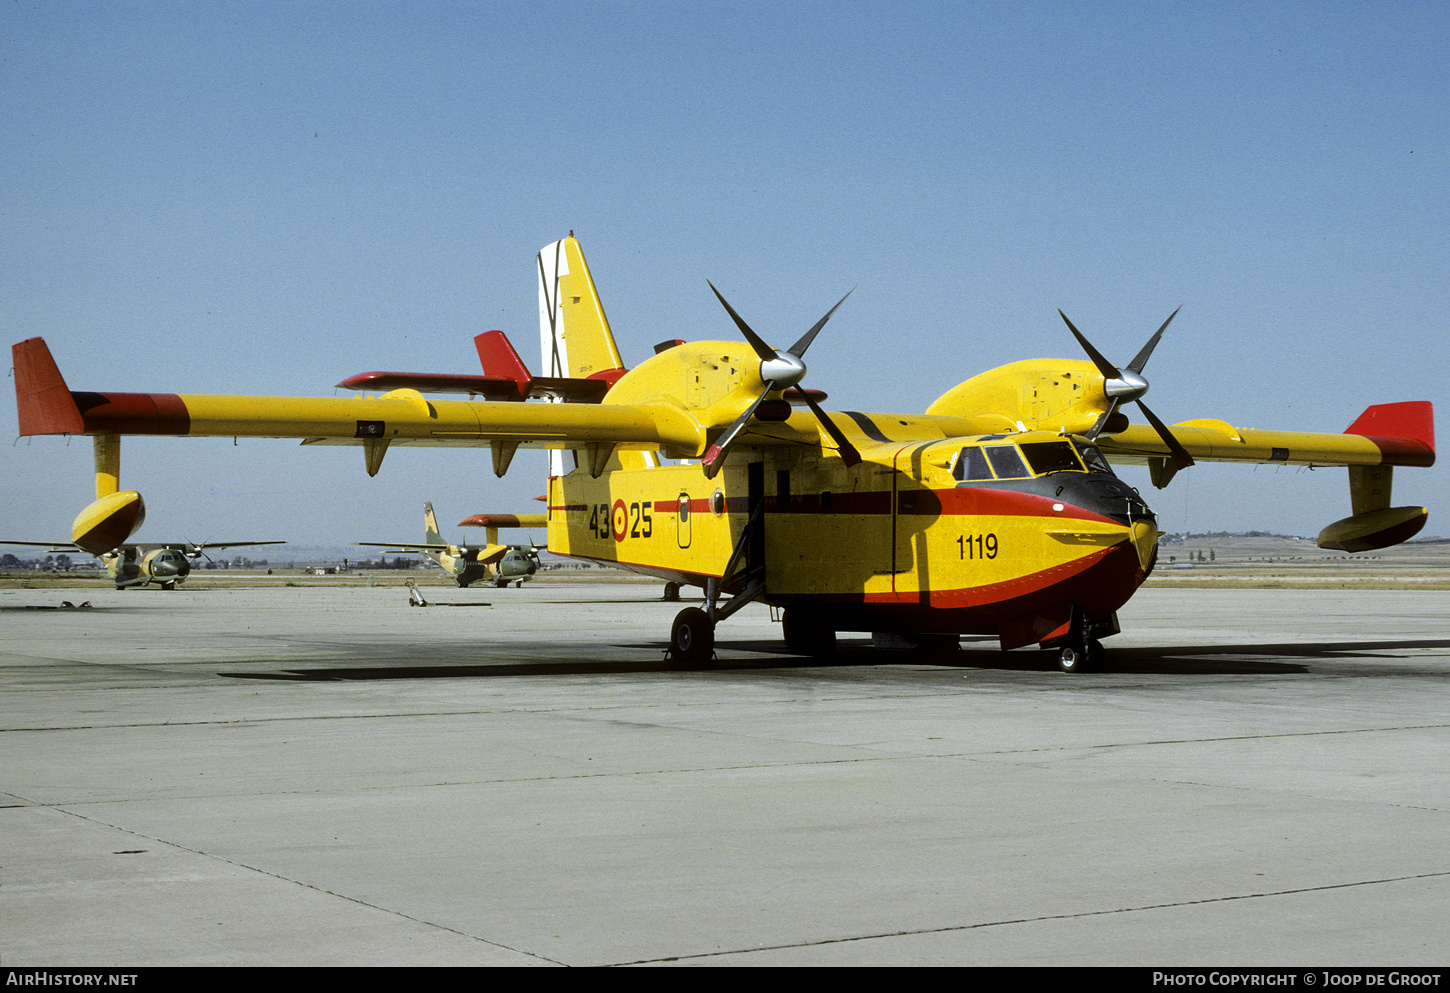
1102, 422
799, 348
1141, 359
715, 456
848, 452
778, 372
1181, 458
761, 348
1105, 367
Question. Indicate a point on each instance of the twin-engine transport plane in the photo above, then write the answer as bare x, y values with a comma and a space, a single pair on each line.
994, 512
499, 564
144, 564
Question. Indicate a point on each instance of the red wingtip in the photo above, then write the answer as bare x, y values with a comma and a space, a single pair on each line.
1405, 432
42, 399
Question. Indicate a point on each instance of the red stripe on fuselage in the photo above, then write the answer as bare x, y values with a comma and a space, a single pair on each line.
964, 501
1099, 583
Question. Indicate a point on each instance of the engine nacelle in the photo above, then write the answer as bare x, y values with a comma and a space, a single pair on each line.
108, 522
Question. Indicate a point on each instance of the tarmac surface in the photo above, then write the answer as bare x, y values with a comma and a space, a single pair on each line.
329, 776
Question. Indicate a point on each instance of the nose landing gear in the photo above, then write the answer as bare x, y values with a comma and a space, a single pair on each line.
1082, 650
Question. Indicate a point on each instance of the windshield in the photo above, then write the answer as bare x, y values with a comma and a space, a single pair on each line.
1051, 456
1094, 459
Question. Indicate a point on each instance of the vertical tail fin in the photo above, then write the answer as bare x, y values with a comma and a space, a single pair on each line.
430, 526
574, 335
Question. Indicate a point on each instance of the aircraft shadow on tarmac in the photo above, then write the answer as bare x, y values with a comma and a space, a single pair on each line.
1178, 660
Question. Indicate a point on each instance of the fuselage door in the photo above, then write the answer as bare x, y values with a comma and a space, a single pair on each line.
682, 518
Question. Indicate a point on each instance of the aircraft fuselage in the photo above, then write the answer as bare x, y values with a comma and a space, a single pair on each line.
975, 535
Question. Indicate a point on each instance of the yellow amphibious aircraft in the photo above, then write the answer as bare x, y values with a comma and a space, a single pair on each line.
994, 512
499, 564
164, 564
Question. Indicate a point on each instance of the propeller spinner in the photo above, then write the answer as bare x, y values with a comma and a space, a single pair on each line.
1129, 384
779, 370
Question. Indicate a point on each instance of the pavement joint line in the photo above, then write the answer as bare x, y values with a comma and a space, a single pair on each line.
1328, 797
1204, 741
308, 886
1045, 918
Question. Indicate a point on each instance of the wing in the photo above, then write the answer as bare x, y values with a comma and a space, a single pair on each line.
417, 546
54, 546
226, 544
1383, 437
402, 417
1388, 434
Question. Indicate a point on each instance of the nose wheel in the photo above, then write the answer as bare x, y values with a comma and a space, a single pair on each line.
1081, 650
1079, 656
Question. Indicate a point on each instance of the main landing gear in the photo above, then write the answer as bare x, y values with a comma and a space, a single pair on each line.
692, 636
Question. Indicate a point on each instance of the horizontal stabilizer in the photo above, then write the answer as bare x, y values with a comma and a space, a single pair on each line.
505, 521
489, 387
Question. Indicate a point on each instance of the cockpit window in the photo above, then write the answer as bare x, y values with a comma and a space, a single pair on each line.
1006, 462
1094, 459
972, 464
1051, 456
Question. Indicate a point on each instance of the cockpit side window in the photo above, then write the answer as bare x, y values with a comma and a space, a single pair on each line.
1006, 462
972, 464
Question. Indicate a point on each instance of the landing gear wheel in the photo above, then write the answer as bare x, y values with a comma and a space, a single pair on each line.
692, 637
806, 634
672, 592
1084, 655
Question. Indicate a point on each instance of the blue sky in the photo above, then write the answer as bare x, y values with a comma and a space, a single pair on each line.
265, 198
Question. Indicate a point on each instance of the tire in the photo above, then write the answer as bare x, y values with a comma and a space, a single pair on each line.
692, 637
672, 592
1071, 659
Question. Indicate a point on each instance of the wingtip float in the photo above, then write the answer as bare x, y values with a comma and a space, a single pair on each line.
994, 512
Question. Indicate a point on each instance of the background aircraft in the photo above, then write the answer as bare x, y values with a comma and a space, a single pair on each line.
164, 564
994, 512
500, 564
